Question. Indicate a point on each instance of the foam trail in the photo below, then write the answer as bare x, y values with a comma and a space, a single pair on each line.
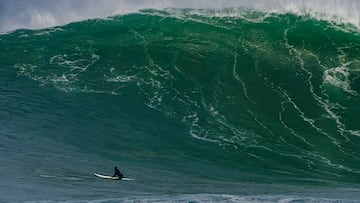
35, 14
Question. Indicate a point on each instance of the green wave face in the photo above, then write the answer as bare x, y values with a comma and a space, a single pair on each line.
270, 94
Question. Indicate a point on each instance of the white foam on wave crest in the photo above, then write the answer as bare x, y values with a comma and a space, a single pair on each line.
35, 14
339, 11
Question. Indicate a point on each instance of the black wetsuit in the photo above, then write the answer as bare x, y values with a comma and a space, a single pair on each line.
117, 173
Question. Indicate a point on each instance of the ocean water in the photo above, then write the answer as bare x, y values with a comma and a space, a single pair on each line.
197, 105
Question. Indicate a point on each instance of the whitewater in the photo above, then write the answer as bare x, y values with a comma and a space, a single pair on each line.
252, 101
37, 14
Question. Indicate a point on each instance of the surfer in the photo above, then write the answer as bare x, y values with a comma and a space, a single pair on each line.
117, 173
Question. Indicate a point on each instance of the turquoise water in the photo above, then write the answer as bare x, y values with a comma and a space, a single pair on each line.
196, 105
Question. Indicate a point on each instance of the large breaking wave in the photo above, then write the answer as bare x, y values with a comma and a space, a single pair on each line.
280, 88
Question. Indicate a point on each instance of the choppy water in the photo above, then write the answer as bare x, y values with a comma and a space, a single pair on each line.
229, 105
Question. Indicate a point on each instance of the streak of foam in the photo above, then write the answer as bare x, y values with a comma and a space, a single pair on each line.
282, 94
196, 130
325, 104
121, 78
320, 101
238, 78
339, 77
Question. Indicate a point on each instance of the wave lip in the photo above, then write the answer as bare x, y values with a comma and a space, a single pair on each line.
36, 14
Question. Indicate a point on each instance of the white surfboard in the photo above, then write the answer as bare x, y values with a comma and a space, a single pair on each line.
111, 178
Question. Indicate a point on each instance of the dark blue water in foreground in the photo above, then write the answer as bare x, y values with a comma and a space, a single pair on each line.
195, 106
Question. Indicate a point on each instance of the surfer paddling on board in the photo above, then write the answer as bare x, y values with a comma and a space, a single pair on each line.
117, 173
